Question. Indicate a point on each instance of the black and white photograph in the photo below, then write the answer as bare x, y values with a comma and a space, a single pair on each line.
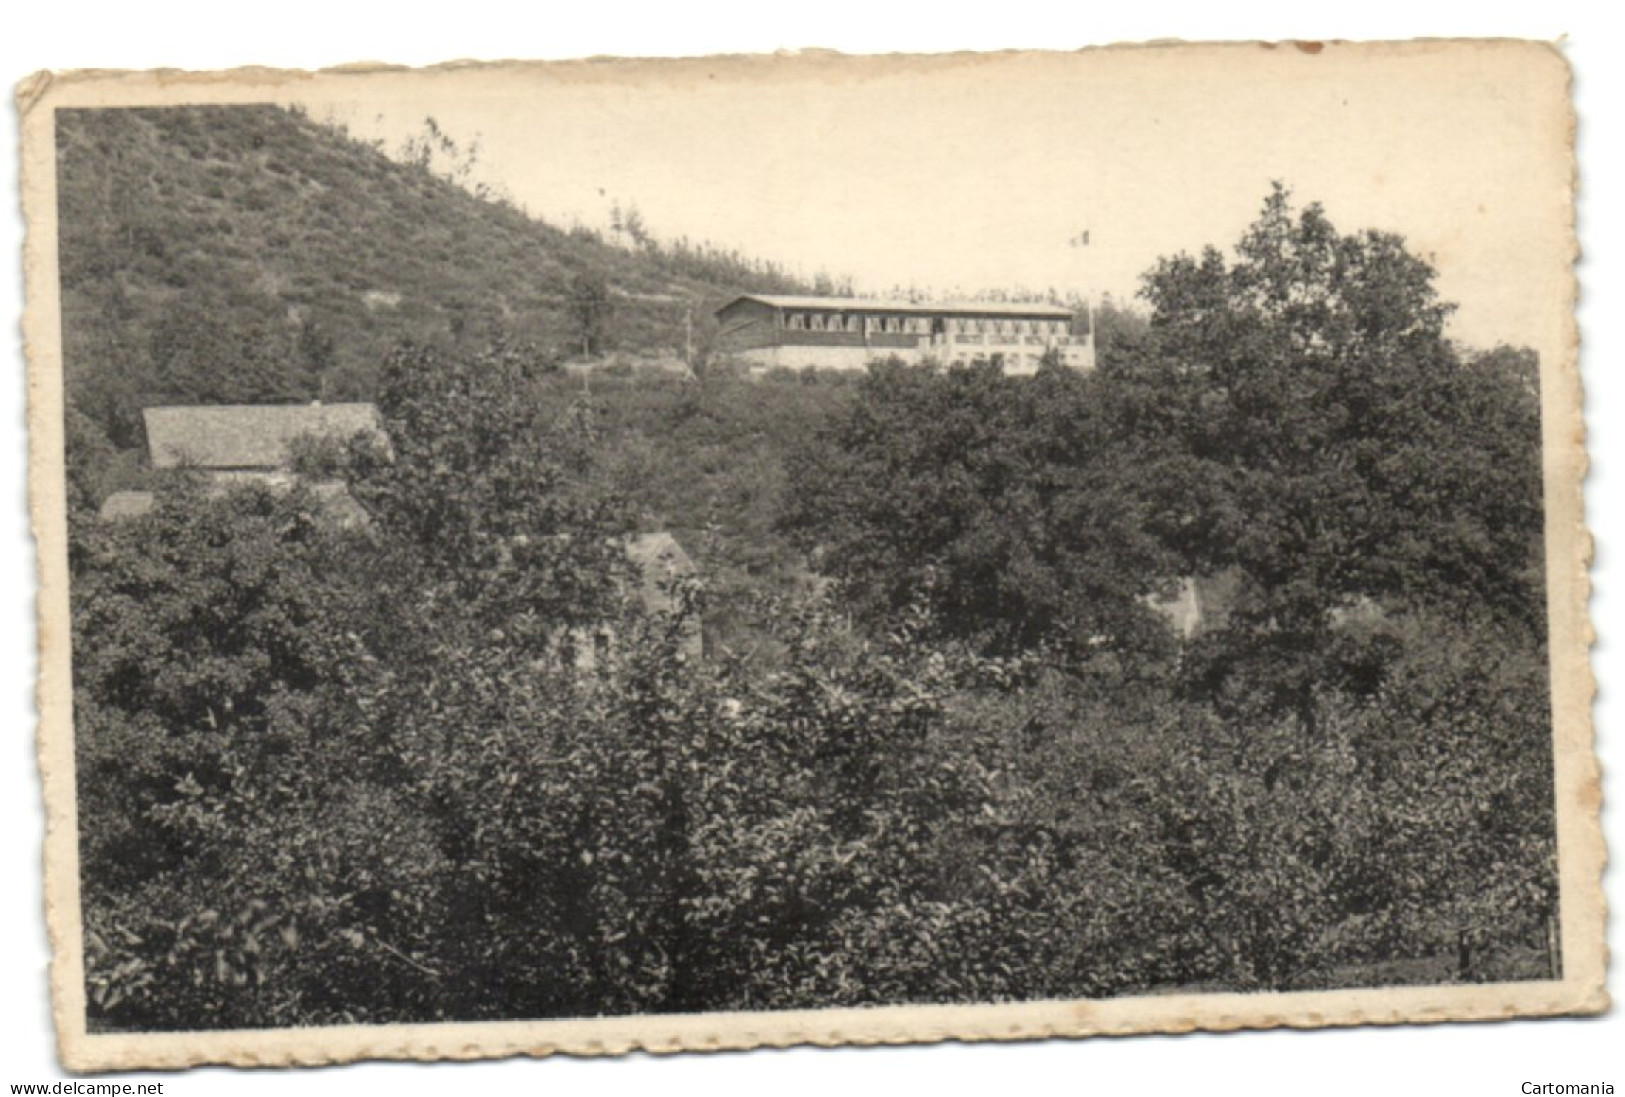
739, 551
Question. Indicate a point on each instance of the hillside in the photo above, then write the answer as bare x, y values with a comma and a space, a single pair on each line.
224, 254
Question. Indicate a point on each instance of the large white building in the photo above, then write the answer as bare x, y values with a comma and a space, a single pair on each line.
794, 332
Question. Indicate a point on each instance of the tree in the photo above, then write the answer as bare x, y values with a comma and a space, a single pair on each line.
1361, 463
329, 723
591, 308
1520, 365
1120, 329
315, 356
225, 857
487, 500
1378, 500
201, 357
89, 457
1021, 510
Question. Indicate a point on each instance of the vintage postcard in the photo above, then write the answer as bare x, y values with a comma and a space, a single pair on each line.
748, 551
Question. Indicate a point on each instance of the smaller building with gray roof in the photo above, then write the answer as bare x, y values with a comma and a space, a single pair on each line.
249, 440
250, 444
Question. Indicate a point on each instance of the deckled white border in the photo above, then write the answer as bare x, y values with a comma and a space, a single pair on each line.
1568, 551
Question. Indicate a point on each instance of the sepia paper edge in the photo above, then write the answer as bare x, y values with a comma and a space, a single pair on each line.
1577, 774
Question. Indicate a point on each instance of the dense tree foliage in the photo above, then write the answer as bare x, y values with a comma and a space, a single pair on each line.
948, 748
1358, 461
705, 460
1023, 510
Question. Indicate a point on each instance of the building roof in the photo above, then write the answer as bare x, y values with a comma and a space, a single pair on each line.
1026, 309
659, 559
247, 436
337, 505
126, 504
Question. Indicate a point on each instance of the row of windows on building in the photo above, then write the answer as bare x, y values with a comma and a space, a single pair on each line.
822, 321
922, 325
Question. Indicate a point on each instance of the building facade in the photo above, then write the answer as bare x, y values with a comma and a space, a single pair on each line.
848, 333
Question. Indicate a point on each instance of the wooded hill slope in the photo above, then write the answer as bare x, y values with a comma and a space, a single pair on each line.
251, 254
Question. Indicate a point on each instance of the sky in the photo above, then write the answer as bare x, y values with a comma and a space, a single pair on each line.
961, 174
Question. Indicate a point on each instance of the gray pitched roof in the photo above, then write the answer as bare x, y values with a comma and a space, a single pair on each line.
659, 558
1027, 309
247, 436
126, 504
339, 506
